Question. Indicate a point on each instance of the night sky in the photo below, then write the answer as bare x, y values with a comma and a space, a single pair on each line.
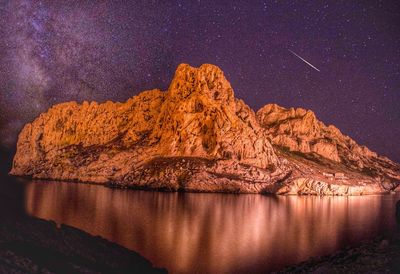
56, 51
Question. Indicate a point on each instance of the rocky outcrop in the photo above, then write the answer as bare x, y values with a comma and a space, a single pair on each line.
196, 136
373, 256
298, 130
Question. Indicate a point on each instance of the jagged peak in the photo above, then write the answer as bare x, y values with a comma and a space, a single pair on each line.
300, 130
204, 67
207, 80
268, 108
273, 113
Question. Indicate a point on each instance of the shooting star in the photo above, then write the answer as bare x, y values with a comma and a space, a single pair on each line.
304, 60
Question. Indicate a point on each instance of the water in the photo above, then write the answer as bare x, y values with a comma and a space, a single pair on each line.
214, 233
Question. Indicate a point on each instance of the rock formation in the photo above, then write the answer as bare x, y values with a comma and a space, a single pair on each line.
298, 130
197, 136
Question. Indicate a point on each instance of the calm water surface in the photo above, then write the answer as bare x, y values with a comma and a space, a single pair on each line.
214, 233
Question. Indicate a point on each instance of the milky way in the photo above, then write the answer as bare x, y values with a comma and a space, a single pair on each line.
56, 51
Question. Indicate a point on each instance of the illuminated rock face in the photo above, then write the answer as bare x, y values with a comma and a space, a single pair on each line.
196, 136
298, 130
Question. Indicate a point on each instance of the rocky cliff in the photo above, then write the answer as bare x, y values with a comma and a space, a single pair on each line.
197, 136
298, 130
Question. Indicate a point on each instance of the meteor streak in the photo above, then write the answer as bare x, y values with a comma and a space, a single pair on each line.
304, 60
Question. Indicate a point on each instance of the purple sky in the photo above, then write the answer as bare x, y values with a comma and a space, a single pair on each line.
55, 51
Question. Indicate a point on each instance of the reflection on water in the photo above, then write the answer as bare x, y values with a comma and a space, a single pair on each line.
214, 233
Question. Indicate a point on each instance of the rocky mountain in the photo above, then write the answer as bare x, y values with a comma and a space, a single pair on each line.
197, 136
298, 130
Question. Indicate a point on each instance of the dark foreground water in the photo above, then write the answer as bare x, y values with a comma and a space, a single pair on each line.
214, 233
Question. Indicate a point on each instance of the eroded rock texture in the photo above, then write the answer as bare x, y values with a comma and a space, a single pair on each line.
197, 136
298, 130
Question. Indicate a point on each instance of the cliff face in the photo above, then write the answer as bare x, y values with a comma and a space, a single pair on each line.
196, 136
298, 130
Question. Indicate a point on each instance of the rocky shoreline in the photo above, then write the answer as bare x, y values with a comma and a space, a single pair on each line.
39, 246
380, 255
31, 245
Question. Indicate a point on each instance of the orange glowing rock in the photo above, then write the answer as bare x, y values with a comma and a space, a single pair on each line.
197, 136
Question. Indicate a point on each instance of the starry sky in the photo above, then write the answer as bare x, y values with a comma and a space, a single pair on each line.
56, 51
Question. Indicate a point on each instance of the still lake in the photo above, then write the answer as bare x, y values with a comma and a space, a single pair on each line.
214, 233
